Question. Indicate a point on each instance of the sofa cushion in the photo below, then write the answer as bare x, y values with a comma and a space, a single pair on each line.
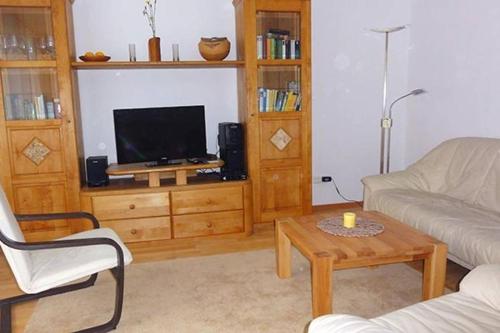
483, 283
454, 313
471, 232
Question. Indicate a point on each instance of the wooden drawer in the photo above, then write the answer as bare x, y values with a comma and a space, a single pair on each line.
209, 200
136, 230
130, 206
208, 224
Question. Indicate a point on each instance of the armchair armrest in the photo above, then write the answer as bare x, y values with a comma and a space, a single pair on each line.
57, 216
483, 283
344, 324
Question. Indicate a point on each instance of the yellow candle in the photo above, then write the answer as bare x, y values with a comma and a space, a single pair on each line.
349, 220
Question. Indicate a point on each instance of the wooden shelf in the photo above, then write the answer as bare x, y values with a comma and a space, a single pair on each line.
34, 123
27, 64
161, 64
154, 172
281, 115
279, 62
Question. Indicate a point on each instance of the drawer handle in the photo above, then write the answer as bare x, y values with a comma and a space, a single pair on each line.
133, 231
131, 206
209, 225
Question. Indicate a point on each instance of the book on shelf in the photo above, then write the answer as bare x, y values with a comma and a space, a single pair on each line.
278, 100
29, 107
277, 44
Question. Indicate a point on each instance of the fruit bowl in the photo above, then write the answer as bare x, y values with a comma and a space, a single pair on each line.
98, 58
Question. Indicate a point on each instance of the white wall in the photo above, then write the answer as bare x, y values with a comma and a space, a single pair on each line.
455, 56
347, 90
112, 24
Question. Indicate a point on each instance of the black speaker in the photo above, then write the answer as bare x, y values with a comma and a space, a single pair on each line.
232, 151
96, 171
230, 136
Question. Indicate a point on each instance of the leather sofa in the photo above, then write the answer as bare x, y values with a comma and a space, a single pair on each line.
452, 194
475, 308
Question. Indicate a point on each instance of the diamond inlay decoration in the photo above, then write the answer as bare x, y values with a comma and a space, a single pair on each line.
281, 139
36, 151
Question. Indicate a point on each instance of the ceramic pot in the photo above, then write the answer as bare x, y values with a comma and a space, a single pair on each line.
154, 49
215, 48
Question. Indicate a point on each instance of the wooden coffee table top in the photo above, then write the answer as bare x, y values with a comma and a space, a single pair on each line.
398, 241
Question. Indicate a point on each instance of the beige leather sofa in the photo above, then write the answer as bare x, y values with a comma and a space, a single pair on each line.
475, 308
452, 193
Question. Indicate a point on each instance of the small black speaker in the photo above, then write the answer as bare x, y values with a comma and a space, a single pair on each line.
96, 171
232, 151
230, 136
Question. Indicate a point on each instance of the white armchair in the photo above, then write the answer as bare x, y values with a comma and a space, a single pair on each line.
45, 268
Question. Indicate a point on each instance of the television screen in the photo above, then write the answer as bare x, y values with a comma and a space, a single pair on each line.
153, 134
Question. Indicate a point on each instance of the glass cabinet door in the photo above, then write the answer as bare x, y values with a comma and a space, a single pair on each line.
26, 34
30, 94
278, 35
279, 88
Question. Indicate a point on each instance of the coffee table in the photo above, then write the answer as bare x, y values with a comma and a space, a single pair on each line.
326, 253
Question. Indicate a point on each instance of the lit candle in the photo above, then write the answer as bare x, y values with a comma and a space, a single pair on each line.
349, 220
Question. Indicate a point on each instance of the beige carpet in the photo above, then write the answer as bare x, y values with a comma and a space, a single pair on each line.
237, 292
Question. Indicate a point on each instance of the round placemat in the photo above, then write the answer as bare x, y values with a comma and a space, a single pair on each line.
363, 228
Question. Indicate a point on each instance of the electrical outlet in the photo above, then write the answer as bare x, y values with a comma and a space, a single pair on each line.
326, 179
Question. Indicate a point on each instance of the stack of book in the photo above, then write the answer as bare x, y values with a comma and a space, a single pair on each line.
276, 44
28, 107
274, 100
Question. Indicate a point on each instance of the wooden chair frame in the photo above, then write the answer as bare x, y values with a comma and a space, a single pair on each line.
118, 271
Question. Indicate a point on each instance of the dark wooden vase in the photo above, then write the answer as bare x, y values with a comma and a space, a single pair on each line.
154, 49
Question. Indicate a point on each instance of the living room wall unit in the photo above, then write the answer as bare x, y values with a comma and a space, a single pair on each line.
38, 131
40, 122
274, 86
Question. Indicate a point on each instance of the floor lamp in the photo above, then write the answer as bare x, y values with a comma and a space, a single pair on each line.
386, 123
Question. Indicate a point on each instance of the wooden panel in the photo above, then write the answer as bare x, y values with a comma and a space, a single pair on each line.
20, 139
209, 200
268, 129
37, 199
130, 206
281, 189
160, 64
208, 224
145, 229
25, 3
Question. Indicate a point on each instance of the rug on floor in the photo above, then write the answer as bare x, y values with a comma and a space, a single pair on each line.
237, 292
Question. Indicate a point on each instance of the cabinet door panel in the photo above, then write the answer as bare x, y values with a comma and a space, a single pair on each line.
40, 199
36, 151
280, 139
281, 189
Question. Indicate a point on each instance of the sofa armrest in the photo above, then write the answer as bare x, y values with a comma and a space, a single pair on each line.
344, 324
483, 283
393, 180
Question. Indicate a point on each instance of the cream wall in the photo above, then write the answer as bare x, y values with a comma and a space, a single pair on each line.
455, 55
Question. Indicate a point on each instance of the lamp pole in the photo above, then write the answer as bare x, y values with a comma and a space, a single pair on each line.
383, 150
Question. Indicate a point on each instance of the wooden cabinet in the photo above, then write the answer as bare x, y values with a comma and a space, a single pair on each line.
274, 90
39, 168
145, 214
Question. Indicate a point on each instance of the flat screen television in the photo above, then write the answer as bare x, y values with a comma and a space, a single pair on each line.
160, 134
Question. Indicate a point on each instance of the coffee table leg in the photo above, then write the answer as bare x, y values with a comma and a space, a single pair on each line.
283, 252
321, 284
435, 272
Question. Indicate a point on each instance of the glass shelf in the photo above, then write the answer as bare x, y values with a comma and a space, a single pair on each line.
30, 94
26, 34
279, 88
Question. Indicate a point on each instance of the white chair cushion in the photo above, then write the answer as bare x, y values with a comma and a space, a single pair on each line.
19, 261
344, 324
53, 268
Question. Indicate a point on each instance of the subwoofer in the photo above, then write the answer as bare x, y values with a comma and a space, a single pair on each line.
96, 171
231, 144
